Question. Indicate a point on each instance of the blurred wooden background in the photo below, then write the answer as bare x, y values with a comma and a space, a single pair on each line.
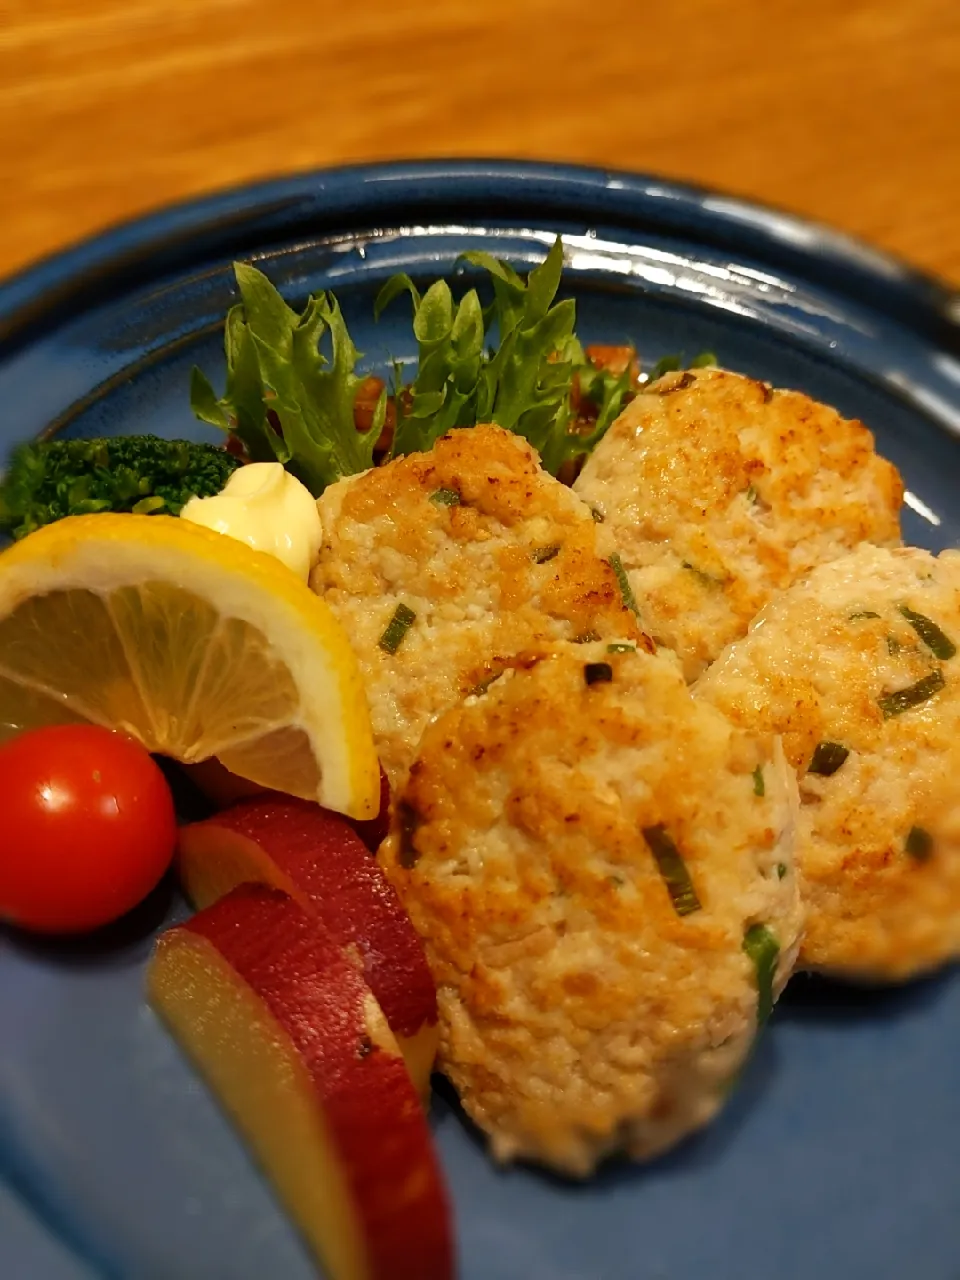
847, 110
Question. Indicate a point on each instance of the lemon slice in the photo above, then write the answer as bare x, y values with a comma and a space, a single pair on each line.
191, 642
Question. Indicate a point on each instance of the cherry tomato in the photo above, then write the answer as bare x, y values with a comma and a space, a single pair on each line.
87, 827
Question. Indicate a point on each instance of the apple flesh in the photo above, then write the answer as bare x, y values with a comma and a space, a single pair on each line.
316, 857
293, 1042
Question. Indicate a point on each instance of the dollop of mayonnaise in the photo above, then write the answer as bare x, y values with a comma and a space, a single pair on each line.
267, 508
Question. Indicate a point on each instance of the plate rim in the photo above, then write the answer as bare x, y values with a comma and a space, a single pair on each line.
323, 200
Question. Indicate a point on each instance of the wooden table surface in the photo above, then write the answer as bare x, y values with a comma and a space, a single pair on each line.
845, 110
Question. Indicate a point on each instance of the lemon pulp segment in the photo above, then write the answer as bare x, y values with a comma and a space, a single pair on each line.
191, 642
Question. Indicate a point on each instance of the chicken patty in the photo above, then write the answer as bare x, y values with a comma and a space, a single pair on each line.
856, 668
601, 871
720, 491
443, 565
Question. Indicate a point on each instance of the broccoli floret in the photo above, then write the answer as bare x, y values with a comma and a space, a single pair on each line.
50, 479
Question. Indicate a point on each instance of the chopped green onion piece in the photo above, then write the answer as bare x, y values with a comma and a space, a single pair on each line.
598, 672
623, 582
940, 645
761, 945
705, 360
710, 579
894, 704
540, 555
752, 494
827, 758
759, 786
621, 648
586, 637
673, 869
399, 625
446, 498
919, 844
781, 870
864, 613
484, 685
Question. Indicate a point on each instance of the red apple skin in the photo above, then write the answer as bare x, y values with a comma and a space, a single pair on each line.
317, 858
320, 1002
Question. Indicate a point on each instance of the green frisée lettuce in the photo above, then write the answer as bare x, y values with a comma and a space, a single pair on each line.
524, 384
291, 385
285, 400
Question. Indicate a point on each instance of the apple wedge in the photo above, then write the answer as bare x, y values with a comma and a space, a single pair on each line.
297, 1049
316, 857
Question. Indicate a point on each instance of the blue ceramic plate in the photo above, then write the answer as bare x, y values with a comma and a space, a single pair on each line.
838, 1157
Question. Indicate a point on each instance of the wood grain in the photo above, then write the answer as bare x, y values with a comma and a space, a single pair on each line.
849, 112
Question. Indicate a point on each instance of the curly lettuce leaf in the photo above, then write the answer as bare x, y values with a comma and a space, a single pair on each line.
450, 354
291, 385
284, 399
523, 383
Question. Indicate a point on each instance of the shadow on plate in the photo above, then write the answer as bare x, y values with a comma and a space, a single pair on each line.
701, 1150
127, 941
811, 998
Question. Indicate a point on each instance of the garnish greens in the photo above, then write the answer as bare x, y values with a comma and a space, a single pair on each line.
673, 364
673, 869
894, 704
759, 786
51, 479
540, 555
827, 758
292, 384
285, 400
523, 384
621, 648
398, 626
940, 645
762, 947
919, 844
